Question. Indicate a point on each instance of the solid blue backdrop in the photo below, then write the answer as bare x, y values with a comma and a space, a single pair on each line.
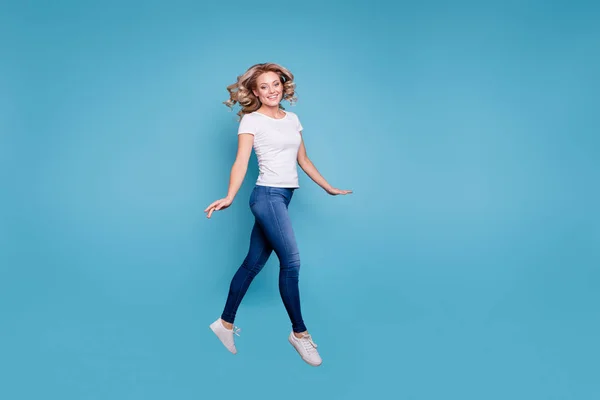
464, 266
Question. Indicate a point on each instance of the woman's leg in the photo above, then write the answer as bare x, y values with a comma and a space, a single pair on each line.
258, 254
271, 212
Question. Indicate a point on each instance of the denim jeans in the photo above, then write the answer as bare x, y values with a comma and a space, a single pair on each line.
272, 231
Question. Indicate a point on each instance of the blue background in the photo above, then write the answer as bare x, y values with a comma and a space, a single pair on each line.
464, 266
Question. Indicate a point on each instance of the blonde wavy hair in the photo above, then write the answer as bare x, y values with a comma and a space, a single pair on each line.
242, 91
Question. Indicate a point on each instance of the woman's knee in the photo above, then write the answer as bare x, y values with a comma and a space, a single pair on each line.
291, 263
253, 266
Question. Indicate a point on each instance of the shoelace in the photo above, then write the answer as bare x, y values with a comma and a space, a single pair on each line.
236, 330
306, 340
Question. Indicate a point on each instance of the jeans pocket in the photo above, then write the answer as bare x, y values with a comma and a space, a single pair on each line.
253, 196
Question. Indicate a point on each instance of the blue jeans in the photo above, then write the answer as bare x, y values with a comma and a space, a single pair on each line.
272, 231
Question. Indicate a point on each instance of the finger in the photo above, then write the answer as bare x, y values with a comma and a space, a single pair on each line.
210, 206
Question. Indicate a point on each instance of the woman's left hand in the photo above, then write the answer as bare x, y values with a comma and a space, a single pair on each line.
334, 192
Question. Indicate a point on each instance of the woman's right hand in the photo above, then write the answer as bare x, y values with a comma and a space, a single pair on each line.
218, 205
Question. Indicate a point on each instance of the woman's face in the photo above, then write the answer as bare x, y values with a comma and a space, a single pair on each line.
269, 89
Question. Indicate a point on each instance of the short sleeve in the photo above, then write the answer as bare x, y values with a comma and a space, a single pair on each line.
247, 125
299, 125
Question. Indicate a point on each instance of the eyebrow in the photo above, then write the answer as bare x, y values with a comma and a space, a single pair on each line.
264, 83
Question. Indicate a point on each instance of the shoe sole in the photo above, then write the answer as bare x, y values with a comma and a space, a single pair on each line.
303, 359
220, 341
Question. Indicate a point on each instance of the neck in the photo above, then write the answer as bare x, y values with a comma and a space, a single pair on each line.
271, 111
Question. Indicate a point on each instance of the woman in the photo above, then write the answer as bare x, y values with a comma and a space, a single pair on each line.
276, 136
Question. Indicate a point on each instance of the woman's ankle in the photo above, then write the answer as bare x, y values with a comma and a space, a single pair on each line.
226, 324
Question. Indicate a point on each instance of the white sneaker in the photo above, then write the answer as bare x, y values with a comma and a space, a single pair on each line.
306, 348
225, 335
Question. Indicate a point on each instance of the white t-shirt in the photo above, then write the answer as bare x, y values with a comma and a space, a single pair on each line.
276, 144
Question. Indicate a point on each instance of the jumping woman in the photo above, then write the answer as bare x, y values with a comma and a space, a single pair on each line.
276, 136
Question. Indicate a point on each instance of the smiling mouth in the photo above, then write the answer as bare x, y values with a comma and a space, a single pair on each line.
272, 97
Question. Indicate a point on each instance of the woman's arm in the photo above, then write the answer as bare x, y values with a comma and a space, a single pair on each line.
238, 172
310, 169
240, 165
